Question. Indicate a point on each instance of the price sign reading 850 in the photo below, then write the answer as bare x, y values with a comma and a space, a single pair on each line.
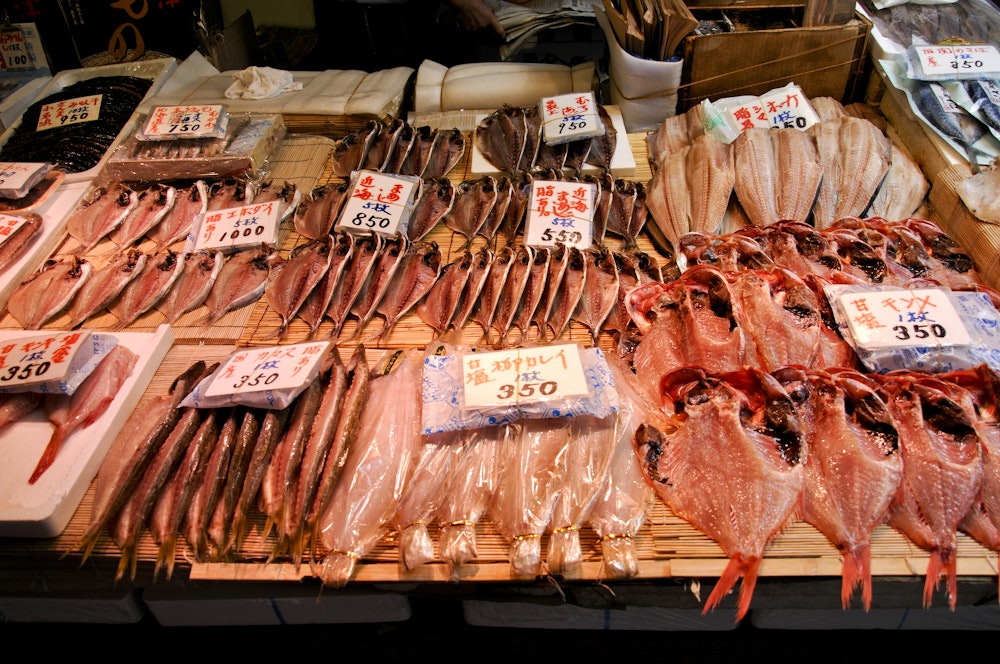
523, 375
378, 203
560, 212
903, 318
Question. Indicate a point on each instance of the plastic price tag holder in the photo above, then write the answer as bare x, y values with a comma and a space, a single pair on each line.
903, 318
944, 62
522, 375
378, 202
569, 117
232, 229
560, 212
271, 369
69, 111
17, 178
188, 122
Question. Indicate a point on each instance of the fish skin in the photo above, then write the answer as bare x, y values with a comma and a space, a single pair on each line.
240, 282
101, 211
367, 249
317, 213
193, 285
189, 205
959, 126
600, 291
48, 291
417, 273
16, 405
512, 292
152, 206
569, 294
142, 293
212, 484
90, 400
445, 153
478, 273
132, 450
289, 281
315, 305
386, 263
437, 196
473, 201
437, 308
500, 137
979, 91
14, 246
105, 284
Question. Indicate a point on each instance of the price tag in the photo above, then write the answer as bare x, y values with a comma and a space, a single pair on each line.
561, 212
965, 61
38, 359
9, 223
192, 121
991, 89
903, 318
69, 111
522, 375
570, 117
17, 175
267, 369
780, 108
378, 202
236, 228
19, 47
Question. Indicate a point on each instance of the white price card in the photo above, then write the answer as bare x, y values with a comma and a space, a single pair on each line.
189, 121
272, 368
236, 228
69, 111
780, 108
9, 223
561, 212
19, 45
15, 175
44, 358
903, 318
963, 61
522, 375
570, 117
378, 202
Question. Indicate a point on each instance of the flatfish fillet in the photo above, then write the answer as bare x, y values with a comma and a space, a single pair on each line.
105, 284
668, 196
795, 192
710, 179
723, 440
756, 182
904, 189
865, 153
979, 194
48, 291
142, 293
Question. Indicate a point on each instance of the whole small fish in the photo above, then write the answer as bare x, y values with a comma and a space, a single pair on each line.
220, 523
105, 284
478, 273
437, 195
193, 285
600, 291
314, 308
68, 413
142, 293
153, 205
13, 246
240, 282
318, 212
438, 306
208, 491
485, 305
189, 205
473, 201
956, 124
984, 94
569, 293
417, 272
513, 290
48, 291
445, 153
291, 280
101, 211
367, 248
386, 263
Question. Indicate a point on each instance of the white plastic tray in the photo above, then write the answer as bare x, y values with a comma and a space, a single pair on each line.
158, 70
44, 509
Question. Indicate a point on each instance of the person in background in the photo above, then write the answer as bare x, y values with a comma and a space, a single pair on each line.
381, 34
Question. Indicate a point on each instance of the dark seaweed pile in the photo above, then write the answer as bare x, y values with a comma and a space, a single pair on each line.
77, 147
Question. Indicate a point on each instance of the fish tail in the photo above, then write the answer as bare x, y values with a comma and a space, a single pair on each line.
935, 568
856, 572
728, 579
49, 455
165, 557
750, 570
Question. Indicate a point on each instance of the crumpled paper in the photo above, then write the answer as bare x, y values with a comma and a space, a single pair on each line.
261, 83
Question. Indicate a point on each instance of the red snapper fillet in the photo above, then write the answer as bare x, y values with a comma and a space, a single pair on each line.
738, 434
853, 467
942, 471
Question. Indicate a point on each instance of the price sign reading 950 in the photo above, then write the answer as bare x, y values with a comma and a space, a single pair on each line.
522, 375
69, 111
570, 117
378, 203
966, 61
271, 368
239, 227
903, 318
561, 212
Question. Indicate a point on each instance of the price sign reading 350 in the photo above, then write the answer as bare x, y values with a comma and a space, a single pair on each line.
903, 318
522, 375
271, 368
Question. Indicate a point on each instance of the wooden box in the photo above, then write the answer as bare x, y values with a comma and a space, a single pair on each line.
825, 60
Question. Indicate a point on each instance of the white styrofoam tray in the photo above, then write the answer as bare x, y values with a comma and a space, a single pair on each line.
622, 161
158, 70
44, 509
54, 212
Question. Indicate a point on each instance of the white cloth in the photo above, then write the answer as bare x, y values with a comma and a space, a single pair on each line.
261, 83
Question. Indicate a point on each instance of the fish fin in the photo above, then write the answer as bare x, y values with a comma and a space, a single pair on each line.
730, 575
750, 569
49, 455
855, 572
